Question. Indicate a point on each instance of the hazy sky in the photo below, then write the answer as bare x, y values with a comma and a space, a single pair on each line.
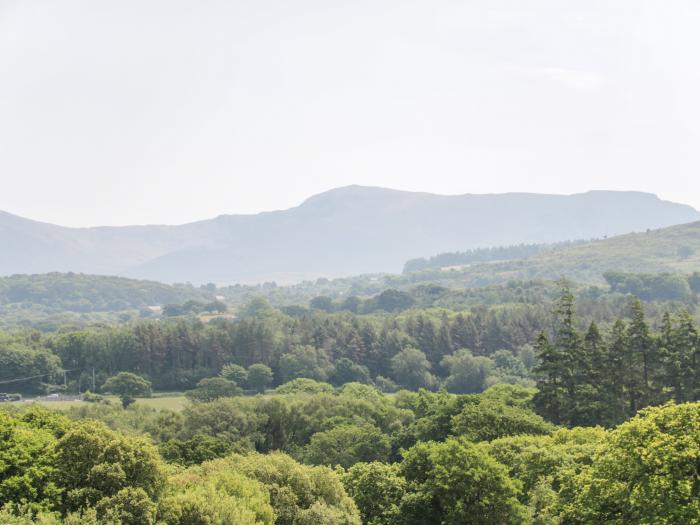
115, 112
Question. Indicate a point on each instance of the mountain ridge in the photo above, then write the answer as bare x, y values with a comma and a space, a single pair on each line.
343, 231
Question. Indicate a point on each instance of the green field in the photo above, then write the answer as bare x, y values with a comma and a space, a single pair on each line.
174, 402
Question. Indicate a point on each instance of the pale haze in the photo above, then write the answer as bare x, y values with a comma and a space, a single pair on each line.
168, 111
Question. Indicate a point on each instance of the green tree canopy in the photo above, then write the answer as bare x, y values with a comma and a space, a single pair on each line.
127, 386
456, 483
212, 388
411, 369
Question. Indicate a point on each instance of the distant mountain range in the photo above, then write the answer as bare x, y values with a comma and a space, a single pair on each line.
345, 231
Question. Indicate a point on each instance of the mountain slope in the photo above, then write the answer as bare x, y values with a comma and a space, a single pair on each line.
341, 232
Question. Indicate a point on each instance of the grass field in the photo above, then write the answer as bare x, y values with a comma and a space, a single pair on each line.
170, 401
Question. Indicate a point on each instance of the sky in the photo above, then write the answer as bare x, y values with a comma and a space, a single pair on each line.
169, 111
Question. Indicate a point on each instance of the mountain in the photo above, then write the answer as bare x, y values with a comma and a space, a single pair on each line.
344, 231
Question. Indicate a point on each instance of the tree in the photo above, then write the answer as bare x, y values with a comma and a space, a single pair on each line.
411, 369
129, 506
94, 463
550, 399
323, 303
305, 361
235, 373
304, 385
641, 361
467, 374
214, 494
212, 388
377, 489
560, 362
259, 377
127, 386
299, 493
348, 372
346, 445
457, 483
613, 376
26, 466
489, 419
646, 471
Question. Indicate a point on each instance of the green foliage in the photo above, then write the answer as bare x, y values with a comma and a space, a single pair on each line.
348, 372
94, 463
547, 461
24, 358
659, 287
298, 493
377, 489
305, 362
213, 493
27, 468
25, 515
487, 419
127, 386
129, 506
235, 373
259, 377
212, 388
195, 450
467, 374
346, 445
91, 293
455, 483
304, 386
645, 471
411, 369
588, 379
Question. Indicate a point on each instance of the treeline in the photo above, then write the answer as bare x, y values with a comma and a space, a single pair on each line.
175, 355
483, 255
591, 378
93, 293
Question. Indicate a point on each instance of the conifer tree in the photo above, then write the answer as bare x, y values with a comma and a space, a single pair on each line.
550, 399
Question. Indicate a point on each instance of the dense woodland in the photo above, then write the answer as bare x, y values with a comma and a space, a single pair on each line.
527, 403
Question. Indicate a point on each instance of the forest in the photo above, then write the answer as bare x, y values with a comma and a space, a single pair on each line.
528, 403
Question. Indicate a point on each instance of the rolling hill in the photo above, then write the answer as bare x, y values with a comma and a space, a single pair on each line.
675, 249
345, 231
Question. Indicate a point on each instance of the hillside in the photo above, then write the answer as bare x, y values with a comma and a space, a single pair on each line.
346, 231
673, 249
90, 293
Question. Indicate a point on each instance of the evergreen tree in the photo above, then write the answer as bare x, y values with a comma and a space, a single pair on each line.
613, 376
550, 399
642, 361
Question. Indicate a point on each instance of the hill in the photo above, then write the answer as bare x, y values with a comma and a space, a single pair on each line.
90, 293
674, 250
346, 231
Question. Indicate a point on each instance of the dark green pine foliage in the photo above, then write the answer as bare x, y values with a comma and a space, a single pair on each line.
589, 370
686, 352
551, 397
642, 361
568, 342
613, 374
